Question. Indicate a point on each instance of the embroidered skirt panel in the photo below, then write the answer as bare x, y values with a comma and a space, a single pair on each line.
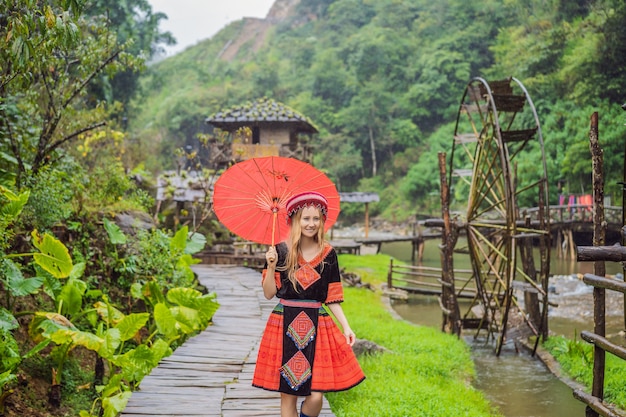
303, 350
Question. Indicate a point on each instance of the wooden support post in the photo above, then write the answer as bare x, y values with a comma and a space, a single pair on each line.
452, 315
599, 232
367, 220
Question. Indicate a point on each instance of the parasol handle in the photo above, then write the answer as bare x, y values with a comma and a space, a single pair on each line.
274, 225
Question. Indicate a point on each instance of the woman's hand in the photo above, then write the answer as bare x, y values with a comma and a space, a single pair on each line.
350, 336
271, 257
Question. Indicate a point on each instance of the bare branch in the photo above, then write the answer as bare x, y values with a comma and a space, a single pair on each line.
91, 77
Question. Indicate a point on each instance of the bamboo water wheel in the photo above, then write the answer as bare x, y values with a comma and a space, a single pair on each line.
496, 126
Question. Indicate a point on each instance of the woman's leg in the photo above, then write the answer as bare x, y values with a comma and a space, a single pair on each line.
312, 406
288, 407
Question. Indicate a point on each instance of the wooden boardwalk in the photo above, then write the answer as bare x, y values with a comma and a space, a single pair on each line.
211, 374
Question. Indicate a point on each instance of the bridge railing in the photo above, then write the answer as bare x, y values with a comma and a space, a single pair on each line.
577, 213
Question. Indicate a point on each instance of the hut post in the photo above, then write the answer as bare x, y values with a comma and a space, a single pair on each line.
367, 219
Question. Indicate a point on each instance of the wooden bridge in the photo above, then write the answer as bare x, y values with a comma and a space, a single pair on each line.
211, 374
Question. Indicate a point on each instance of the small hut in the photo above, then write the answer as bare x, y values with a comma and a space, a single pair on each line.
273, 129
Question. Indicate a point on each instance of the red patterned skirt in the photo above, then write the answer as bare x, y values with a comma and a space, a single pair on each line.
303, 350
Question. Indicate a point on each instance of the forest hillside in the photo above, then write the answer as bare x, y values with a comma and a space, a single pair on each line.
383, 79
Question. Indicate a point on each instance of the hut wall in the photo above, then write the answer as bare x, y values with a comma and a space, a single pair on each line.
274, 135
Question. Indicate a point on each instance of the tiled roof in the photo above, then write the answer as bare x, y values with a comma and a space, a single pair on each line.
261, 112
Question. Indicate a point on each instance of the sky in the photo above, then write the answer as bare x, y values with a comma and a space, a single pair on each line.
191, 21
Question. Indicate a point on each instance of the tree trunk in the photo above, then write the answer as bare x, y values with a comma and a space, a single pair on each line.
373, 148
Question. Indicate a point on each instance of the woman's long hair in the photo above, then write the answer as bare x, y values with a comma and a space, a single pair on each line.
293, 245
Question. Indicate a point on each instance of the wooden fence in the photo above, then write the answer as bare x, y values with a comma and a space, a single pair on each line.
426, 280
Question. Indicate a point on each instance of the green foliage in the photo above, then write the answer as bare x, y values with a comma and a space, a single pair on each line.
576, 360
50, 200
382, 81
42, 97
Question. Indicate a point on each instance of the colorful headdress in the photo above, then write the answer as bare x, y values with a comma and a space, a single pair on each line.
310, 198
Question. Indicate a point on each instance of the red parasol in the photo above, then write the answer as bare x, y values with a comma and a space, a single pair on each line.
249, 198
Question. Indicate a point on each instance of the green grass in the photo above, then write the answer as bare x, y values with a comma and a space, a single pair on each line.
576, 360
425, 373
371, 268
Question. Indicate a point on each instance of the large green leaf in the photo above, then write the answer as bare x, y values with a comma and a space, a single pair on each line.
136, 363
78, 270
115, 404
208, 305
187, 297
112, 340
77, 337
189, 319
109, 314
116, 235
16, 203
131, 324
54, 256
18, 285
7, 320
165, 321
71, 297
179, 241
195, 243
160, 349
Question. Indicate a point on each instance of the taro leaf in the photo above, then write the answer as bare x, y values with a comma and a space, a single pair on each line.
18, 285
136, 363
71, 296
165, 321
54, 256
16, 203
195, 243
160, 349
115, 404
78, 270
208, 305
109, 313
184, 296
131, 324
112, 340
77, 337
7, 321
113, 386
179, 241
116, 235
47, 323
188, 319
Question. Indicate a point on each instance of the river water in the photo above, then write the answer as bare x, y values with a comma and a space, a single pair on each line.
518, 384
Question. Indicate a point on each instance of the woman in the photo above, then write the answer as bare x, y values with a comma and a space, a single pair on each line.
303, 352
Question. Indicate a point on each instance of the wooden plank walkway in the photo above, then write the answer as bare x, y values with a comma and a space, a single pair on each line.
211, 374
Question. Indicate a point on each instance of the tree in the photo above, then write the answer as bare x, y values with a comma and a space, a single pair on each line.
50, 54
134, 24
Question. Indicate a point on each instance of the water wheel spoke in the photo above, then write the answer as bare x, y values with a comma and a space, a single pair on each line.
531, 281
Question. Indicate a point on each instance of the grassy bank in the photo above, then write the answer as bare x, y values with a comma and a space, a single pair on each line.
424, 372
576, 360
